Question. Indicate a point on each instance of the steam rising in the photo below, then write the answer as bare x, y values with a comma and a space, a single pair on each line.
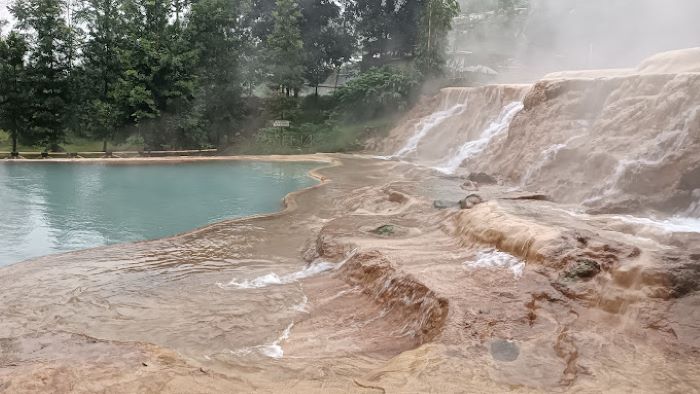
598, 34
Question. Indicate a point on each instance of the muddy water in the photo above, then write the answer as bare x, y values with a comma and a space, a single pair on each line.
317, 299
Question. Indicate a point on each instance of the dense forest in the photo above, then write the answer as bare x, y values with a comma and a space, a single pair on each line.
169, 74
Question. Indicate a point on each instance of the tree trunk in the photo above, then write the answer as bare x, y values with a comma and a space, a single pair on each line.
14, 142
104, 145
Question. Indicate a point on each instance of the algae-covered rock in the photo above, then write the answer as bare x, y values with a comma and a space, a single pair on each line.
582, 269
470, 201
385, 230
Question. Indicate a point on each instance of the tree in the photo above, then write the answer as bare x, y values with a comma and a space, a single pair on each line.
284, 49
157, 83
435, 23
214, 32
386, 29
14, 95
48, 67
105, 30
378, 91
327, 45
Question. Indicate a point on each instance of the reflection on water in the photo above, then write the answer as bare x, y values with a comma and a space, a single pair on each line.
48, 208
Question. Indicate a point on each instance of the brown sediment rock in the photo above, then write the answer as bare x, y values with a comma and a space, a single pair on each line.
423, 310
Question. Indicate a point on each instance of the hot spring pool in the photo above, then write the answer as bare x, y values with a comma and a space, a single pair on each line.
48, 208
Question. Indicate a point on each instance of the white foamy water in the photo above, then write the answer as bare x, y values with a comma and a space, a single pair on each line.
275, 279
658, 151
474, 147
272, 278
672, 225
427, 124
494, 259
274, 349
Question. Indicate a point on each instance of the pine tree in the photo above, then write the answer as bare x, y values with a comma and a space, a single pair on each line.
48, 67
14, 95
105, 32
214, 31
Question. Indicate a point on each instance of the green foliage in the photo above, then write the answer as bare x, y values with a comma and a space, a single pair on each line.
378, 91
386, 29
327, 45
173, 73
14, 89
284, 49
48, 68
105, 24
211, 23
435, 23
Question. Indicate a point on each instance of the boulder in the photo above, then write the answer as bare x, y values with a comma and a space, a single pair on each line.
470, 201
482, 178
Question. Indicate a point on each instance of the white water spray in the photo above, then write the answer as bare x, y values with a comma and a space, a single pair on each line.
272, 278
427, 124
494, 259
474, 147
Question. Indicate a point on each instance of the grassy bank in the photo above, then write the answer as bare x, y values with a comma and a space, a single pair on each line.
306, 138
72, 144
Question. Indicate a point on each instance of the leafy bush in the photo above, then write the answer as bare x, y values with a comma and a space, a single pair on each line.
378, 91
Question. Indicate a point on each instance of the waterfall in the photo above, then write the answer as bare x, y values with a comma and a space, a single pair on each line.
474, 147
426, 125
547, 156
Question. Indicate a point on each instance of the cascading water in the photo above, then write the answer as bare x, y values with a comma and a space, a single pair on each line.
548, 155
427, 124
657, 152
474, 147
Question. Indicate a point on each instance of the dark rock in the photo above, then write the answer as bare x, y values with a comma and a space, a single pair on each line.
385, 230
483, 178
502, 350
442, 204
535, 197
582, 269
470, 201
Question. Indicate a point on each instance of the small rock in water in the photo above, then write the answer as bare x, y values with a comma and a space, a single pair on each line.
384, 230
470, 201
470, 186
442, 204
582, 269
481, 177
502, 350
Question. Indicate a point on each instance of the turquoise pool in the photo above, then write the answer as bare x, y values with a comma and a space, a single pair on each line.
48, 208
